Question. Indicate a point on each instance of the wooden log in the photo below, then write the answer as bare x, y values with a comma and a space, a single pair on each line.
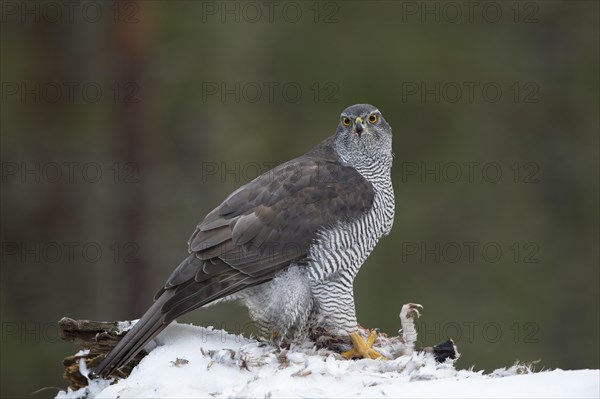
96, 339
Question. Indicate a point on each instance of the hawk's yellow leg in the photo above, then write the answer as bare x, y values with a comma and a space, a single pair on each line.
362, 348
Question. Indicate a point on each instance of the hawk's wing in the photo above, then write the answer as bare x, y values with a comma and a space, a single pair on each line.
259, 229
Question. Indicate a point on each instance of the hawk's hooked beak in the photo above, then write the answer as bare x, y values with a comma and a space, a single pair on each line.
358, 126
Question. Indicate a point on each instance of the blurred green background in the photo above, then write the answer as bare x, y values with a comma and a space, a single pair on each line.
124, 123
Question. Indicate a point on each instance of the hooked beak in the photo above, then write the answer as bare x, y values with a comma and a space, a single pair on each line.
358, 126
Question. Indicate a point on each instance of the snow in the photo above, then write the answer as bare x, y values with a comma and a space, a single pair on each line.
82, 352
190, 361
123, 326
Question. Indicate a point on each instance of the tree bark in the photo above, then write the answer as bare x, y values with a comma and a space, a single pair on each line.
96, 338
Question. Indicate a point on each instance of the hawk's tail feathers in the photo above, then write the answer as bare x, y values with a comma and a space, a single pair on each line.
148, 327
172, 303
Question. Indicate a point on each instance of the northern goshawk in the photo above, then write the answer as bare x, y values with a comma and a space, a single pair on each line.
289, 243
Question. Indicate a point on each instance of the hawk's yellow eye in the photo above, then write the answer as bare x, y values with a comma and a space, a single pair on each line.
373, 118
346, 121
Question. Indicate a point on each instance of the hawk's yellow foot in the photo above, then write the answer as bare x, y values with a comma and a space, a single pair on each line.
362, 348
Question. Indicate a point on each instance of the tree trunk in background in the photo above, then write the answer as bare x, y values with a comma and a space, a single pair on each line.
134, 141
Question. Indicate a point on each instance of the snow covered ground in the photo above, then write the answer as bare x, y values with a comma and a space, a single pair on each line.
191, 361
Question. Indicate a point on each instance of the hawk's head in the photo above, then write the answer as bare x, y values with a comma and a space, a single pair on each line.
363, 133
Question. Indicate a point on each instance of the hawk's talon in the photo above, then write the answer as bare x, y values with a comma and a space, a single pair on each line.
363, 348
371, 338
411, 310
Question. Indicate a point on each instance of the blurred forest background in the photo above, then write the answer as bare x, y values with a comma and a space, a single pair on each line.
124, 123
